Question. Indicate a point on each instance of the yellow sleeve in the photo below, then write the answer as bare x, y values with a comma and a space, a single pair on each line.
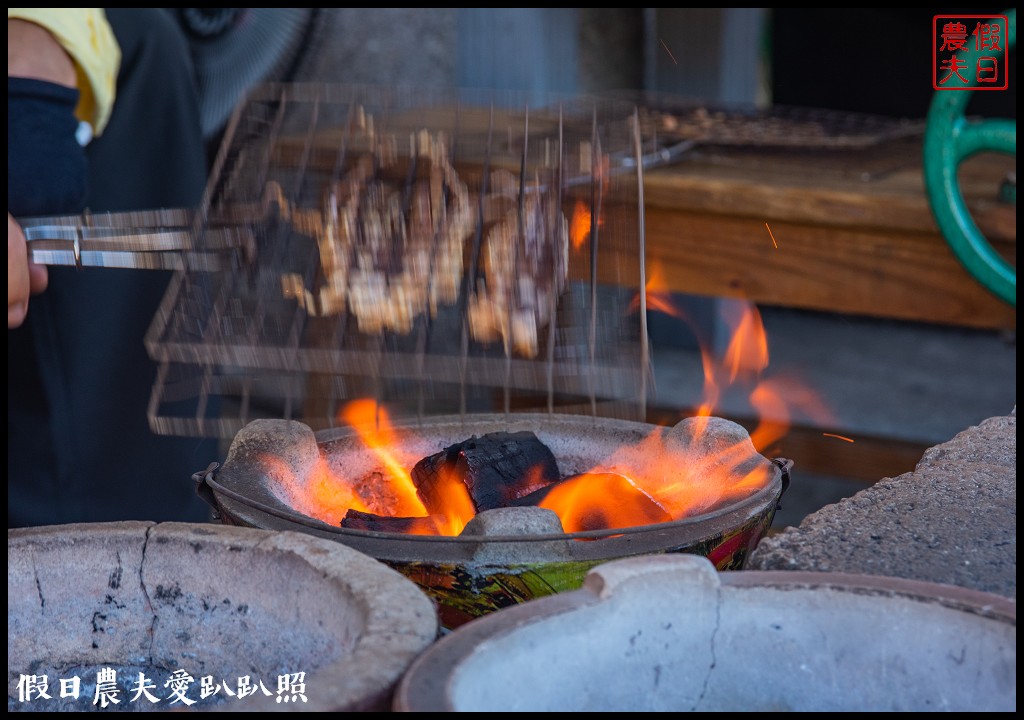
87, 37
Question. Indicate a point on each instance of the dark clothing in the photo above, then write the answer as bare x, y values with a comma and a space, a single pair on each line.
79, 378
42, 149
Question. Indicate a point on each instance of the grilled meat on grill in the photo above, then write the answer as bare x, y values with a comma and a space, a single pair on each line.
525, 262
391, 251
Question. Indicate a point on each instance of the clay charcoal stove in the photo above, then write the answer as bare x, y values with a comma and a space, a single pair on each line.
719, 500
669, 634
175, 600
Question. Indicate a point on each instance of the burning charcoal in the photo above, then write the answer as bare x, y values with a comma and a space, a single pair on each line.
496, 469
356, 520
378, 495
598, 501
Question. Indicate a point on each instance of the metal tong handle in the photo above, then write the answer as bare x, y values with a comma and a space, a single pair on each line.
150, 239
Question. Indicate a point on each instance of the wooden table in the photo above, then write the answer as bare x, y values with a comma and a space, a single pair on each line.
853, 228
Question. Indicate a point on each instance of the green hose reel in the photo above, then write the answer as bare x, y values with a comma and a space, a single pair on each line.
950, 138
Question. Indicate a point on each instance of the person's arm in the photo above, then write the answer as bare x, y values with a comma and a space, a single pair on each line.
73, 48
32, 52
88, 42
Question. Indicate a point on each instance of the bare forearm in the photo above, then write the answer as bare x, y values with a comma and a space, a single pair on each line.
32, 52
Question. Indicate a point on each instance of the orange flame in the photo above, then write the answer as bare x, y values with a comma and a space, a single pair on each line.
748, 348
677, 472
745, 356
579, 227
581, 224
711, 389
687, 469
597, 501
373, 425
456, 506
742, 364
321, 494
657, 294
775, 399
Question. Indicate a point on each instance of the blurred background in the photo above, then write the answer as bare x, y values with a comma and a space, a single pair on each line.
887, 382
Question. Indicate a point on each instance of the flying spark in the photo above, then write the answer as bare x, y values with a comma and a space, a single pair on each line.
671, 56
838, 437
772, 235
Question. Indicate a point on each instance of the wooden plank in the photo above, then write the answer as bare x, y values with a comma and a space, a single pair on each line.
881, 188
882, 273
855, 233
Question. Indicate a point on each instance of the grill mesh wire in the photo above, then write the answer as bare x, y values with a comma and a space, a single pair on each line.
234, 346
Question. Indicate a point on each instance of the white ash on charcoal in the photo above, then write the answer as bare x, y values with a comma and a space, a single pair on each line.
286, 448
514, 521
287, 453
718, 447
517, 522
694, 466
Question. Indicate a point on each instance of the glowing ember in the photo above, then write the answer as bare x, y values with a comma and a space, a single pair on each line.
596, 501
694, 466
838, 437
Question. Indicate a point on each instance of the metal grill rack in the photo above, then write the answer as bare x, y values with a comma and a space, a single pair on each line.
273, 336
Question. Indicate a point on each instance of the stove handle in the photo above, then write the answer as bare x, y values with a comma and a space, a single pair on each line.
203, 489
785, 465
